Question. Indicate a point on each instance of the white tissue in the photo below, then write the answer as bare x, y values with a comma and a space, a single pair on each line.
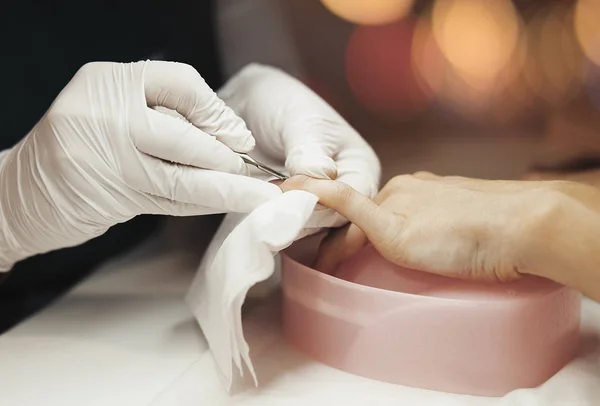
240, 255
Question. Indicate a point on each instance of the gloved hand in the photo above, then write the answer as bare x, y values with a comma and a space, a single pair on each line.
101, 155
292, 125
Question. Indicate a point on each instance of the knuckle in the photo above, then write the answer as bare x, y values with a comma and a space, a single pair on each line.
254, 68
393, 247
424, 175
87, 68
56, 114
401, 180
397, 183
188, 72
95, 68
391, 239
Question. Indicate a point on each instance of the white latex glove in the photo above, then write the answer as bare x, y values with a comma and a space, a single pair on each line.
101, 156
294, 125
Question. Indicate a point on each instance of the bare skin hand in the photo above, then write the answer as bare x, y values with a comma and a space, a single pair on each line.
468, 228
591, 177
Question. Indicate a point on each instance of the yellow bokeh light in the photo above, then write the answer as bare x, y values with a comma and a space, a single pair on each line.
369, 12
587, 28
478, 37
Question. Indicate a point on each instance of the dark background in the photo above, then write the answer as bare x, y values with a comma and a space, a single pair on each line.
45, 43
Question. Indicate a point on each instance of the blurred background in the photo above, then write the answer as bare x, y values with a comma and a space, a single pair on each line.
482, 88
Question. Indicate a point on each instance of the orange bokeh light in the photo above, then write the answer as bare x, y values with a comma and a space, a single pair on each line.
476, 97
478, 37
429, 64
369, 12
587, 28
555, 66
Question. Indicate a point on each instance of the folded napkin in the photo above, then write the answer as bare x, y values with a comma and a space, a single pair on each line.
241, 255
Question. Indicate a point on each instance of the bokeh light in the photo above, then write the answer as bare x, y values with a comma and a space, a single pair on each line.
477, 37
498, 94
369, 12
429, 64
512, 98
555, 66
587, 27
482, 60
380, 71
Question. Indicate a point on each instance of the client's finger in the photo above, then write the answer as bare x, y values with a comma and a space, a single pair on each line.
357, 208
339, 245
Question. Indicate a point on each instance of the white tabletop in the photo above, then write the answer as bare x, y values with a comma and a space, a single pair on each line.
125, 337
116, 339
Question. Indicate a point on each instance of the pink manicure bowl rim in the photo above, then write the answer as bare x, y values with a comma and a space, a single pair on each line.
547, 356
551, 287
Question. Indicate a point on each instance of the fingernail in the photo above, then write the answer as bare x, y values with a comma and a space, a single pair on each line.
278, 183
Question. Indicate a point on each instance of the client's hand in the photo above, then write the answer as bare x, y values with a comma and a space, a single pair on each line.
466, 228
590, 177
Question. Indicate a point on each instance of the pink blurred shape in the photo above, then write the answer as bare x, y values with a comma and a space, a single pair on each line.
380, 71
396, 325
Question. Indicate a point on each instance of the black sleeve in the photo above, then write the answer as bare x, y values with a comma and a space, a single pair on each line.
192, 38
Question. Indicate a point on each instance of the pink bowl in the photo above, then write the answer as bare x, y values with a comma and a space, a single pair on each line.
401, 326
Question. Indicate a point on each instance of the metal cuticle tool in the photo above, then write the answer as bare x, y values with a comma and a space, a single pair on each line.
251, 161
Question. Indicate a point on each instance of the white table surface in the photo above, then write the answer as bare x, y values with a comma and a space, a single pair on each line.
125, 337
